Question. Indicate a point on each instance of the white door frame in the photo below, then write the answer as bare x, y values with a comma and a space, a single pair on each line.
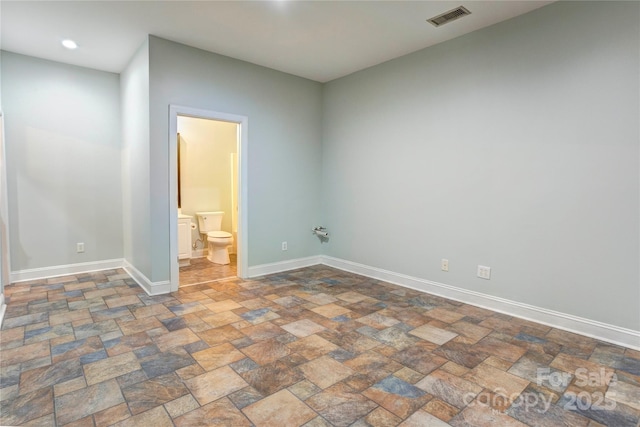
243, 126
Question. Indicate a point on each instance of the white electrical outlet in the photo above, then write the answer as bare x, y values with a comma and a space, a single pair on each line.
484, 272
79, 247
444, 264
284, 246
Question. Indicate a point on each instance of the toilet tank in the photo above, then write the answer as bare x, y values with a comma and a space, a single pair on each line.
209, 221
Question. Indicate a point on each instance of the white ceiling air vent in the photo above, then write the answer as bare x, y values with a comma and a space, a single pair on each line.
449, 16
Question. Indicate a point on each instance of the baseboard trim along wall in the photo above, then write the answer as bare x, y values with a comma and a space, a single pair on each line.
64, 270
591, 328
151, 288
277, 267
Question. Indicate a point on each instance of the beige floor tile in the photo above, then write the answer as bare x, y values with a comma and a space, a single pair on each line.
423, 419
331, 310
156, 417
175, 339
433, 334
303, 328
312, 346
496, 380
111, 367
279, 409
220, 306
218, 356
625, 393
215, 384
325, 371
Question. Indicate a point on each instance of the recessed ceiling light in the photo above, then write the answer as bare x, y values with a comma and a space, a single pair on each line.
69, 44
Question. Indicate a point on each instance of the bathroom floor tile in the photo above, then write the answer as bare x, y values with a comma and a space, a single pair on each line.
201, 270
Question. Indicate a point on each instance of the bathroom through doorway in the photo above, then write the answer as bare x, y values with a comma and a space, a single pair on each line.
208, 151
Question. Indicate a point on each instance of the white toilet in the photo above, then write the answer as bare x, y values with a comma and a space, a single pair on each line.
209, 224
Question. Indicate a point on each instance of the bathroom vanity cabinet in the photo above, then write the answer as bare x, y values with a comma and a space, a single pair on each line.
184, 240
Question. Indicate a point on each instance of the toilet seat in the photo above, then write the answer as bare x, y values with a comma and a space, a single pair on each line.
218, 234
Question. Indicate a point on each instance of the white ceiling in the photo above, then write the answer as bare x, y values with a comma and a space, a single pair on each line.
319, 40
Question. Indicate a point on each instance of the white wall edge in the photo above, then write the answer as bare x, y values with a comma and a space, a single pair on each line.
151, 288
3, 308
591, 328
64, 270
277, 267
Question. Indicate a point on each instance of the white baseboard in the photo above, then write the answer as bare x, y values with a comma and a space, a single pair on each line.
3, 308
151, 288
64, 270
199, 253
277, 267
591, 328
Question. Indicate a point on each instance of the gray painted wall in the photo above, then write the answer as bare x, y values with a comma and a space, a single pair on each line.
62, 128
134, 95
285, 151
515, 147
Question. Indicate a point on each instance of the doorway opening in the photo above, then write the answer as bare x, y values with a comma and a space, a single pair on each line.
208, 152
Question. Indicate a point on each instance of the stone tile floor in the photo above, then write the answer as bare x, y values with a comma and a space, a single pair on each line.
310, 347
201, 270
